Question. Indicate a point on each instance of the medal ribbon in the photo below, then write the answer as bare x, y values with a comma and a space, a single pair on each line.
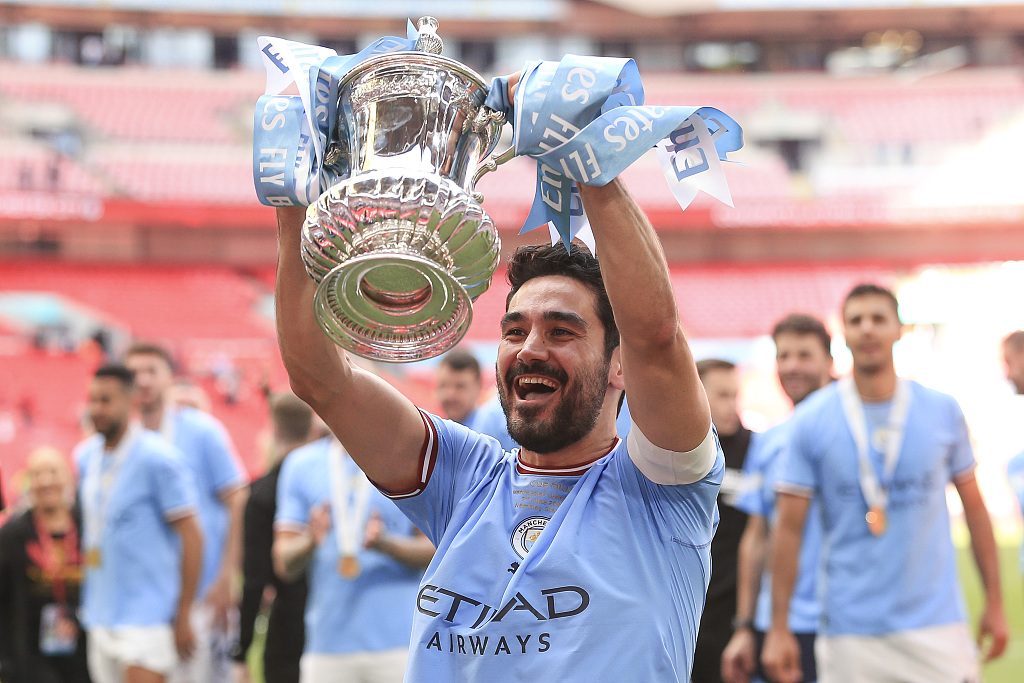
44, 553
583, 120
876, 494
350, 498
167, 423
96, 488
291, 133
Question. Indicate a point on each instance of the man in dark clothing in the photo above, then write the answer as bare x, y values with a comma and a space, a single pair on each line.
41, 640
720, 385
292, 420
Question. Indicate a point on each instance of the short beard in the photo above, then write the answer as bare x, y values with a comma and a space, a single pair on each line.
574, 417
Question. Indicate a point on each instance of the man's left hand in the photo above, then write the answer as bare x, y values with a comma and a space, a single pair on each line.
221, 600
993, 633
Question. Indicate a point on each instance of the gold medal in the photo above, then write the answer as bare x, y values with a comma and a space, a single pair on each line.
92, 557
348, 567
876, 520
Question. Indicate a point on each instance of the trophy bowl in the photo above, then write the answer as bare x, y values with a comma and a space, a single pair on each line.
399, 244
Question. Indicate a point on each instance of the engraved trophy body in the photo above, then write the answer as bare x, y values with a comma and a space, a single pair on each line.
399, 243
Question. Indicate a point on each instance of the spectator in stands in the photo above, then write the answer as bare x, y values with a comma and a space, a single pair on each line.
41, 640
722, 388
141, 541
292, 422
877, 452
222, 488
459, 384
803, 360
363, 559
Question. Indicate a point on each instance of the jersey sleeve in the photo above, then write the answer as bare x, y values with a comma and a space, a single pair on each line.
1015, 475
293, 504
455, 458
797, 473
961, 456
686, 514
751, 498
221, 459
175, 487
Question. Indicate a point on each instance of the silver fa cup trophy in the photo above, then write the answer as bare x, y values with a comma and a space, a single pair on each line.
399, 244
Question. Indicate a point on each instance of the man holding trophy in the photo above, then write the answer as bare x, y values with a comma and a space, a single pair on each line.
547, 552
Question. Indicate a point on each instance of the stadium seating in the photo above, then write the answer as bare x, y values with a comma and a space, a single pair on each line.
195, 127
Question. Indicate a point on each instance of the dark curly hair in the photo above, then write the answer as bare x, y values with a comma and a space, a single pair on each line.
803, 324
541, 260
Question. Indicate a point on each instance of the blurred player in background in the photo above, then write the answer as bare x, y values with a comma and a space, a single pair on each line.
363, 560
222, 488
459, 383
722, 388
803, 360
141, 541
1013, 358
877, 451
292, 422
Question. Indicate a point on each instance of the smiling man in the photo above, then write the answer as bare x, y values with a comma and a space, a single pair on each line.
875, 452
545, 553
803, 360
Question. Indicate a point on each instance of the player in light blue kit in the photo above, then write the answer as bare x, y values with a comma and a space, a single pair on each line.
207, 451
458, 391
579, 556
1013, 357
141, 542
364, 558
803, 360
877, 451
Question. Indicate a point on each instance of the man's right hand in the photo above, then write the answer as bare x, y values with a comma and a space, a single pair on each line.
739, 659
319, 523
781, 657
184, 639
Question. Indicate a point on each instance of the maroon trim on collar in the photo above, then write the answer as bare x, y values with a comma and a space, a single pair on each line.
561, 470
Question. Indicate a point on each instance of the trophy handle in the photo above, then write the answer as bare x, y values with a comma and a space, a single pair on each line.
491, 164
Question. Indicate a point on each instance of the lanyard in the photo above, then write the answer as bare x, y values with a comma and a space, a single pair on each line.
51, 560
99, 481
167, 424
350, 496
876, 495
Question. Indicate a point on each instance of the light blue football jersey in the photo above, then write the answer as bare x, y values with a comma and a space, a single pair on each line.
371, 612
1015, 475
138, 579
490, 419
588, 574
761, 466
209, 454
905, 578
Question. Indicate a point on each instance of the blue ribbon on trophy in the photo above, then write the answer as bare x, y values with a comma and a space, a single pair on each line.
291, 131
583, 120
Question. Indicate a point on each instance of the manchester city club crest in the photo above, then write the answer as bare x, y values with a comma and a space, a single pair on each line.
527, 533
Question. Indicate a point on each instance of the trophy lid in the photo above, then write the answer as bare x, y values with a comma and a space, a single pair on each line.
428, 40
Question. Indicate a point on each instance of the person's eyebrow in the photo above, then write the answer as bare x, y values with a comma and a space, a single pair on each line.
550, 316
512, 317
566, 317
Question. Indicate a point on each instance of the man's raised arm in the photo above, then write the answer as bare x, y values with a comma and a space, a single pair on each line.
380, 428
666, 399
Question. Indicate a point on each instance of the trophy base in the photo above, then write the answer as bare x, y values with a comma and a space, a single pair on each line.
399, 256
392, 306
